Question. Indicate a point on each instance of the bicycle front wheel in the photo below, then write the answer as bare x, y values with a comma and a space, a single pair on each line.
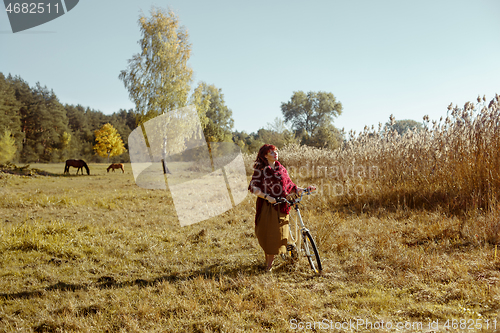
311, 252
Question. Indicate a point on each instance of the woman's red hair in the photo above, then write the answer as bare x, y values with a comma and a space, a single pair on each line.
261, 161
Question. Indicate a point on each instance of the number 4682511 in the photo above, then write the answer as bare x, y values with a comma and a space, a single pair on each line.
30, 8
470, 324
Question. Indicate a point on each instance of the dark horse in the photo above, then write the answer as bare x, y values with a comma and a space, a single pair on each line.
116, 166
80, 164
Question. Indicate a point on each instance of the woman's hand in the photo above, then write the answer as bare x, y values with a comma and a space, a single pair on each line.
308, 189
311, 188
271, 200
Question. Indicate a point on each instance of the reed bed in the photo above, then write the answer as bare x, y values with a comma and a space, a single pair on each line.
451, 166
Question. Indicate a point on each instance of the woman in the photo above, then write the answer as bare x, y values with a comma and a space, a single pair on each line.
270, 180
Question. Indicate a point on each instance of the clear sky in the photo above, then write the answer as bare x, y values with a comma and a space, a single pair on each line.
407, 58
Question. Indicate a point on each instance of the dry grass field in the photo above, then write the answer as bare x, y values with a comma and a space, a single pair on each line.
99, 254
407, 228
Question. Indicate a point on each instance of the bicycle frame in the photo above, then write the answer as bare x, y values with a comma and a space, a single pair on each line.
310, 250
298, 231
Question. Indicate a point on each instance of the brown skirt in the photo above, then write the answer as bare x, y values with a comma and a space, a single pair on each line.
272, 229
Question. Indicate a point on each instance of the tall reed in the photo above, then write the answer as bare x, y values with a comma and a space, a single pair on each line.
453, 164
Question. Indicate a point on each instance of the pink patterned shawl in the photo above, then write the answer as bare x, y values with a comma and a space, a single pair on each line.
275, 183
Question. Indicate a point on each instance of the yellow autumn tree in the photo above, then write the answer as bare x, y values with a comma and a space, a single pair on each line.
7, 147
108, 142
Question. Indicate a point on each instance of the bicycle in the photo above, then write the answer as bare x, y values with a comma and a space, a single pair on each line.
304, 233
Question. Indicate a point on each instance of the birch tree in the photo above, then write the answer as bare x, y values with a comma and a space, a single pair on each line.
215, 117
158, 79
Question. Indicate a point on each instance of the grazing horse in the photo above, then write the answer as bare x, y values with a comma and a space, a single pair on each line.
116, 166
80, 164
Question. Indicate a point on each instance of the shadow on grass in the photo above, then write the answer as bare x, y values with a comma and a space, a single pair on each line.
38, 172
449, 201
29, 172
13, 169
215, 271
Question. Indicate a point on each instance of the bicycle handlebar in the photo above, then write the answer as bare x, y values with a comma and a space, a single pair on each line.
296, 200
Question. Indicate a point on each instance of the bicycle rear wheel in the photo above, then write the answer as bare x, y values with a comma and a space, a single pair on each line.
311, 251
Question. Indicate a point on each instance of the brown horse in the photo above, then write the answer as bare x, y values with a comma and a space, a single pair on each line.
80, 164
116, 166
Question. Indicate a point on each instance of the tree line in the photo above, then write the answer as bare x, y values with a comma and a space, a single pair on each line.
36, 127
41, 129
